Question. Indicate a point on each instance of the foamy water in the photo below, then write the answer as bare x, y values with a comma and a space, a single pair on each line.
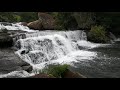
90, 45
16, 26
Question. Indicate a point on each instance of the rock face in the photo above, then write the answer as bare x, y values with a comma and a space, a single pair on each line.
10, 62
45, 21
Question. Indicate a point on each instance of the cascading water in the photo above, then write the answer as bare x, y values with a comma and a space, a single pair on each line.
45, 47
40, 48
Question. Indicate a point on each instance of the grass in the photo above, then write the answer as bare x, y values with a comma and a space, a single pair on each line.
57, 71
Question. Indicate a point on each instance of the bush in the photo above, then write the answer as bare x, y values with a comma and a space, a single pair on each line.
56, 70
97, 34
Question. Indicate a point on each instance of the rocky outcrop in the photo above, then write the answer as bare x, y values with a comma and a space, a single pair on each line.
10, 62
45, 22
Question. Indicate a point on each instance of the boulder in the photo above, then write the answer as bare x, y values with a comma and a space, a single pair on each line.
37, 25
48, 21
10, 62
45, 22
5, 40
27, 68
24, 23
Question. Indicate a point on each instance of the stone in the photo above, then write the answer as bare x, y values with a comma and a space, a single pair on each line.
24, 23
5, 40
42, 76
48, 21
45, 22
27, 68
37, 25
70, 74
10, 62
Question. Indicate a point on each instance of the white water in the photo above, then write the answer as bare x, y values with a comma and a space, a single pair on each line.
89, 45
118, 39
48, 47
16, 26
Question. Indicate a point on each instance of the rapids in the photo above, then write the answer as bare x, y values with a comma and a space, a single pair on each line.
41, 48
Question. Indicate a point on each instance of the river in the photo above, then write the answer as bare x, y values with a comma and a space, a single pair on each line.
41, 48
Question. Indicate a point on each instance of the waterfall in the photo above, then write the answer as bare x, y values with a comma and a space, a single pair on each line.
39, 48
45, 46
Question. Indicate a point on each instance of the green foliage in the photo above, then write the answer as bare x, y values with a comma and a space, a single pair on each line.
104, 19
98, 34
18, 16
6, 17
55, 70
64, 20
28, 16
85, 19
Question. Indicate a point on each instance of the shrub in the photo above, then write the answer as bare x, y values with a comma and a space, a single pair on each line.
98, 34
56, 70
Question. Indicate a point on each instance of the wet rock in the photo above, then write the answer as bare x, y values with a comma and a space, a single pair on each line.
24, 51
24, 23
42, 76
10, 62
27, 68
70, 74
37, 25
5, 40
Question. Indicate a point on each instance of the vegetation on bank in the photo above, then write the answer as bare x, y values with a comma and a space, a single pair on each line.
98, 34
